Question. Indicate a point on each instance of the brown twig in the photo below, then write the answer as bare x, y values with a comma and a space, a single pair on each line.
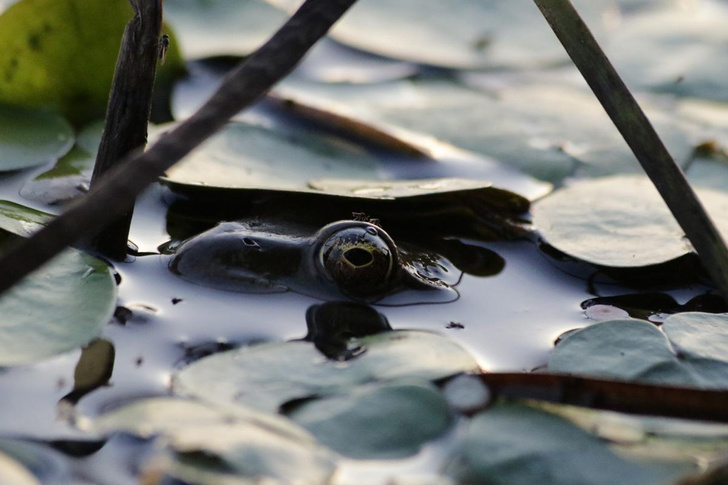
641, 137
625, 397
127, 114
112, 195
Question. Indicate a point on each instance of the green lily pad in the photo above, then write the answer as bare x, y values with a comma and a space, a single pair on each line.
675, 50
618, 222
516, 444
690, 350
20, 220
31, 137
71, 176
268, 375
64, 53
208, 28
548, 131
67, 180
249, 156
468, 34
247, 444
59, 307
377, 422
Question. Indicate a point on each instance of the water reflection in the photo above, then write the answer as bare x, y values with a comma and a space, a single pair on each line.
332, 325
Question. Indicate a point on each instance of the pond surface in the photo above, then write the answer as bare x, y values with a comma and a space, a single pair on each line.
507, 321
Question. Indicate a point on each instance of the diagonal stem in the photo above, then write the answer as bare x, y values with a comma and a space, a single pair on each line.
641, 137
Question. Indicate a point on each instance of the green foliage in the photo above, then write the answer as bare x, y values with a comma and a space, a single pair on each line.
281, 372
691, 350
377, 422
63, 54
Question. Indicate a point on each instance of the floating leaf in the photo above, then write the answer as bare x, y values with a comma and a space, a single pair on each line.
268, 375
31, 137
618, 222
675, 50
247, 443
222, 27
59, 307
64, 54
377, 422
691, 352
549, 131
469, 34
249, 156
516, 444
71, 175
20, 220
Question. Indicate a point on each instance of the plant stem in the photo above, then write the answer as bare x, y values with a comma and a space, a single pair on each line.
620, 396
641, 137
127, 114
112, 195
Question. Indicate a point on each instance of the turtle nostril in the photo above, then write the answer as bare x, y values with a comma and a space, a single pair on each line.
358, 257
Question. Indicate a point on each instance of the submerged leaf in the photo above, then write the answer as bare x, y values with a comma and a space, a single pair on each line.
377, 422
31, 137
248, 444
692, 351
268, 375
618, 222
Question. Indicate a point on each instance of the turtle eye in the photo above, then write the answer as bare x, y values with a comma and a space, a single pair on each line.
360, 258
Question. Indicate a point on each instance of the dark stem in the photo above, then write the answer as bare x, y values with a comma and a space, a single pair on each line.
112, 195
641, 137
620, 396
127, 114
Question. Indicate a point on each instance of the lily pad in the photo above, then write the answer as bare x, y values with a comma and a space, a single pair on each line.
517, 444
64, 53
675, 50
377, 422
59, 307
468, 34
71, 176
247, 444
20, 220
208, 28
31, 137
618, 222
268, 375
249, 156
549, 131
690, 350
